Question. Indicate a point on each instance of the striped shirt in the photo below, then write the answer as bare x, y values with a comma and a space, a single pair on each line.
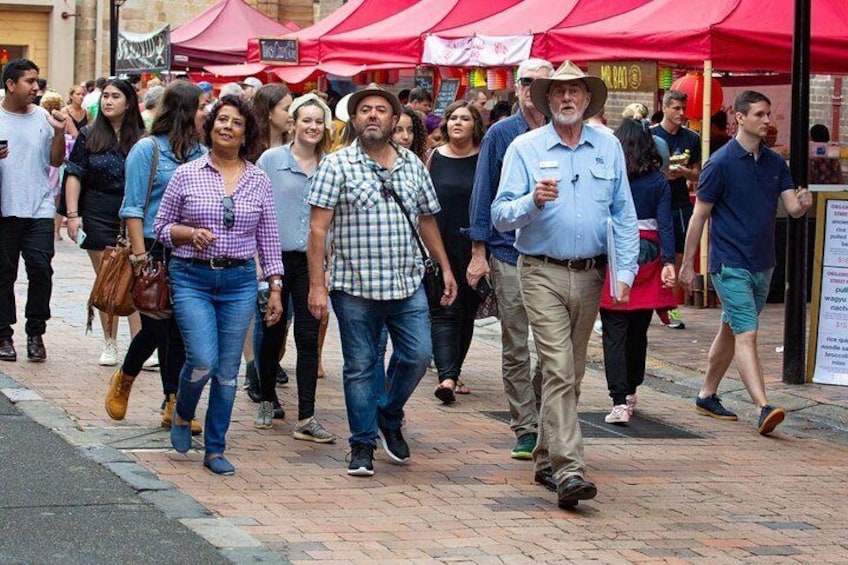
194, 198
375, 254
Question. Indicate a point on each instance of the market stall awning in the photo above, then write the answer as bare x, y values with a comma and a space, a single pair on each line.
517, 33
737, 35
398, 41
219, 35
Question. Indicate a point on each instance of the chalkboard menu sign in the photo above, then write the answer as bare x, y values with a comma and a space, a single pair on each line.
278, 51
446, 95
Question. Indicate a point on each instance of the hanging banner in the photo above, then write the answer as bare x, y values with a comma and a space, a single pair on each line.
144, 52
477, 51
626, 76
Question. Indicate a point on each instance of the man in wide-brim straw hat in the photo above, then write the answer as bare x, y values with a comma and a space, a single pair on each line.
562, 184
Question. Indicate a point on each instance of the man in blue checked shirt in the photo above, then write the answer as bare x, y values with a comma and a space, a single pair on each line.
562, 184
376, 271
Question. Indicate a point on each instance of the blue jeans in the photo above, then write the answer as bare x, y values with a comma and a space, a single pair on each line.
213, 309
369, 402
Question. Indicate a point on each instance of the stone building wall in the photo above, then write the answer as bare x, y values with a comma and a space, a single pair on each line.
142, 16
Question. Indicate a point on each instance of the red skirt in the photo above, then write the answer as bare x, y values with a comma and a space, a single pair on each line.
648, 292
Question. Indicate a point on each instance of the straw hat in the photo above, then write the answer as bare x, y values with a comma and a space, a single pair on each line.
569, 72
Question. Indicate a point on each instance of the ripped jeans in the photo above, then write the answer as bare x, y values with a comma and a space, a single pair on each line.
213, 309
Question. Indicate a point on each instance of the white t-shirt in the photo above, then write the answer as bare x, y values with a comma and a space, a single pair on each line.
25, 189
91, 99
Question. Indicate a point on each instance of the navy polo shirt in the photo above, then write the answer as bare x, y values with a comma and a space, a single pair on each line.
744, 193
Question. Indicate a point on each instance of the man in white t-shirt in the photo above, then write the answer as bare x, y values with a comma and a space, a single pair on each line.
31, 141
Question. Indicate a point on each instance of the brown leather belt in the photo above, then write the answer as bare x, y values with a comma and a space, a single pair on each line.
573, 264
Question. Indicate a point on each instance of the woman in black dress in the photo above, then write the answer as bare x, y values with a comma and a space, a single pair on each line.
74, 110
94, 185
452, 167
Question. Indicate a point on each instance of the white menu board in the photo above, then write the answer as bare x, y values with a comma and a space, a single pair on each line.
831, 359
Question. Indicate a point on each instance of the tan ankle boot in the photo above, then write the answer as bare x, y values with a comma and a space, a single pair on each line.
168, 413
118, 395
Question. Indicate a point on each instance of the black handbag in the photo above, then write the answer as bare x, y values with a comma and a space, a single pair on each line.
434, 283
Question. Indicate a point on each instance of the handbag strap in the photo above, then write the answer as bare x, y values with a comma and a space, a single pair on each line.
154, 164
388, 189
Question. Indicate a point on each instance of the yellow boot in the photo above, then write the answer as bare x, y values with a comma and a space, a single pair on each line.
118, 395
168, 413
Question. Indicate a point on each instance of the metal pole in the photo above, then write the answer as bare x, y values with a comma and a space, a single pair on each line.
113, 37
795, 313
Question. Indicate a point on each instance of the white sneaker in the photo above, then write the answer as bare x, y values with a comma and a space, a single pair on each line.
619, 415
109, 357
152, 362
631, 399
598, 328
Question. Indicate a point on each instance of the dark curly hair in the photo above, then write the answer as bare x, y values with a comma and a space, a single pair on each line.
419, 133
250, 148
640, 151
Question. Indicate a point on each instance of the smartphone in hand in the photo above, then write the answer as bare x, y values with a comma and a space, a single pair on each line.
80, 236
484, 288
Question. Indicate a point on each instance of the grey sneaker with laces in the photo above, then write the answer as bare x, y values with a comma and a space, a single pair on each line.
265, 416
313, 431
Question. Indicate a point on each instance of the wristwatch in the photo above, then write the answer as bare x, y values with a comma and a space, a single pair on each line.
276, 283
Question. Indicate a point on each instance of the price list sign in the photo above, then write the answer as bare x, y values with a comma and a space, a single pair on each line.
831, 305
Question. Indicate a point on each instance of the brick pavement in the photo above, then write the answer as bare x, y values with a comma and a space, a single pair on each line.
731, 496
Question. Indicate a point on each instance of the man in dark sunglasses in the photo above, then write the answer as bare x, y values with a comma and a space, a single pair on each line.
493, 254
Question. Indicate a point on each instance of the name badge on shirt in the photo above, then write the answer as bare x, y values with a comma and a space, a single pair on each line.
548, 165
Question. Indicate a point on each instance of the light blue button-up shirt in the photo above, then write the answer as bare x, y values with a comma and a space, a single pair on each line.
291, 196
593, 188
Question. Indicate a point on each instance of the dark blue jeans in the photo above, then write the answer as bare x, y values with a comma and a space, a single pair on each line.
369, 402
33, 239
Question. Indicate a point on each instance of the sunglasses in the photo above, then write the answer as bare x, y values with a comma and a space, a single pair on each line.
386, 189
525, 81
229, 214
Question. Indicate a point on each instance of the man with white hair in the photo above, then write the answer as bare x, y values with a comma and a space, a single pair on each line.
493, 254
563, 186
231, 89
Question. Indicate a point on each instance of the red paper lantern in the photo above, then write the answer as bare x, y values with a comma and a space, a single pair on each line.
693, 86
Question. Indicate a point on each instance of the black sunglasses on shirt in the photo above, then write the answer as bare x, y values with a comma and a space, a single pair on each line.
229, 214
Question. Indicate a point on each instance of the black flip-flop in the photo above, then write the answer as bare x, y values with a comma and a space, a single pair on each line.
445, 394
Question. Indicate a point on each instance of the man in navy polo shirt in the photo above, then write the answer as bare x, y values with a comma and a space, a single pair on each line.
739, 188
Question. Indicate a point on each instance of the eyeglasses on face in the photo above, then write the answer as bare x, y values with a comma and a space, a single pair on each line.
525, 81
229, 214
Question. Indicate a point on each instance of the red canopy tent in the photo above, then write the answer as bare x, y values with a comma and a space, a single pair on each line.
352, 15
528, 18
735, 35
397, 41
219, 35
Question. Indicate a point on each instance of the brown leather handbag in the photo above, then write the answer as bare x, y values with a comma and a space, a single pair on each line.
111, 293
151, 293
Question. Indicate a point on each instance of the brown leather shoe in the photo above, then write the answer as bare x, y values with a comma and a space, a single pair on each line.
118, 395
575, 488
7, 350
168, 414
35, 349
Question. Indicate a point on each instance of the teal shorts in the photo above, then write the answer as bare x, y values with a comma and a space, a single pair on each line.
743, 295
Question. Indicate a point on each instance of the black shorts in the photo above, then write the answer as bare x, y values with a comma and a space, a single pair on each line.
680, 219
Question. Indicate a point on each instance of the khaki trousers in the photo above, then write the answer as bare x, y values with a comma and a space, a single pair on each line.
523, 391
561, 306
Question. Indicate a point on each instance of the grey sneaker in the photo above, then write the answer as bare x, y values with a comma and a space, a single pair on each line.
265, 416
313, 431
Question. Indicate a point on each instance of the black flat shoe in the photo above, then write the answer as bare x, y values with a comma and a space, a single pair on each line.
575, 488
36, 351
7, 350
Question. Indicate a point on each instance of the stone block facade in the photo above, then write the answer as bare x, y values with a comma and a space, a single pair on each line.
142, 16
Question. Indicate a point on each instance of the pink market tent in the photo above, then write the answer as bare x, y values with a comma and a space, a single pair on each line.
525, 23
350, 16
397, 42
735, 35
219, 35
